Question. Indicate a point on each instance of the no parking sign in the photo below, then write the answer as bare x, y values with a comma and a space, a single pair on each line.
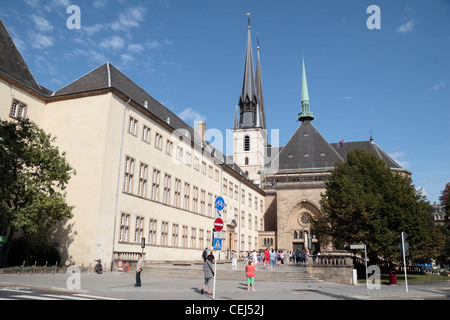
126, 268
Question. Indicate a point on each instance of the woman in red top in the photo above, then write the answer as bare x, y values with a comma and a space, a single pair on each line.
250, 273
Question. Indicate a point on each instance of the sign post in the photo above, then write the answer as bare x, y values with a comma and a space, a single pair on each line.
404, 243
218, 226
362, 247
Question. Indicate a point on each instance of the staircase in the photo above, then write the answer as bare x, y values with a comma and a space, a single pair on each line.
196, 272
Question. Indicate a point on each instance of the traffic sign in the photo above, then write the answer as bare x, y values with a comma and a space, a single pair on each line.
217, 244
126, 268
357, 246
218, 224
220, 203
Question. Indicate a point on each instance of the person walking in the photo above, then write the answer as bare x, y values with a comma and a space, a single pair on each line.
139, 270
205, 254
266, 258
234, 258
250, 273
208, 270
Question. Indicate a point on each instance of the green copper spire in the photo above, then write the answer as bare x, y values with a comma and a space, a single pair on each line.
306, 113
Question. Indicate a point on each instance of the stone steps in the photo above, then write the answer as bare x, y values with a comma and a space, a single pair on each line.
224, 274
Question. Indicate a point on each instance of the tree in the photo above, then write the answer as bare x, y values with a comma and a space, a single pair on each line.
33, 179
445, 198
366, 202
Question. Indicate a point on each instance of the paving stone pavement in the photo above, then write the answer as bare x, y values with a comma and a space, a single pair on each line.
121, 286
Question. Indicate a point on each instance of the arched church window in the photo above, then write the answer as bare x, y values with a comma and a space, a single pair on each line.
247, 143
246, 161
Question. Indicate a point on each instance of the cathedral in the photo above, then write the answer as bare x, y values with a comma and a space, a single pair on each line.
146, 180
292, 176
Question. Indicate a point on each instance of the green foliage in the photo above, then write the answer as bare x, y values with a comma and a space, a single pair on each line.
33, 179
365, 202
31, 249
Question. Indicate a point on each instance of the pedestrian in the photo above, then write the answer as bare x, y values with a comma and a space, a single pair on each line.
266, 258
272, 258
139, 265
205, 254
210, 256
250, 273
208, 270
234, 258
255, 257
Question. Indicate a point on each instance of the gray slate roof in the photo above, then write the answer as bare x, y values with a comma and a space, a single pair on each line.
13, 65
307, 149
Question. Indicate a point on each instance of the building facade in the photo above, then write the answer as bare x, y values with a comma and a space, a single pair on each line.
147, 181
143, 174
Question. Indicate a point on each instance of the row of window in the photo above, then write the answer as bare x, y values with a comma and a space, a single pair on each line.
180, 154
184, 236
180, 195
160, 234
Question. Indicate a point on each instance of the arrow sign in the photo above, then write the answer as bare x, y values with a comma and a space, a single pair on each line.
218, 224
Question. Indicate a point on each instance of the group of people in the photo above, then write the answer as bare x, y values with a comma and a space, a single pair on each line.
208, 270
270, 258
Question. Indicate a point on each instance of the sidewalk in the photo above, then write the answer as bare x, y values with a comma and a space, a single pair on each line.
121, 286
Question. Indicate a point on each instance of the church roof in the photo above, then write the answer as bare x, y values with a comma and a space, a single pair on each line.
14, 66
307, 149
368, 146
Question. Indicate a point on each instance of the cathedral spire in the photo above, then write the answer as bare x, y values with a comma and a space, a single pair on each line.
259, 92
306, 114
248, 100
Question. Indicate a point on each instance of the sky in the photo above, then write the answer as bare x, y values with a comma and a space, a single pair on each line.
383, 71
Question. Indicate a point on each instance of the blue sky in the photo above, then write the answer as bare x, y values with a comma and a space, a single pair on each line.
189, 55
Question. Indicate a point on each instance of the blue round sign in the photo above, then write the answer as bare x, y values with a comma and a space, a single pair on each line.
220, 203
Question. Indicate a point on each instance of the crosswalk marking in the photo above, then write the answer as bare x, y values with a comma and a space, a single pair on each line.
33, 297
95, 297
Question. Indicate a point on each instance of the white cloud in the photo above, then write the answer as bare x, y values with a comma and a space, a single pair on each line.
189, 114
39, 41
135, 48
41, 23
98, 4
396, 157
129, 19
439, 85
114, 43
407, 27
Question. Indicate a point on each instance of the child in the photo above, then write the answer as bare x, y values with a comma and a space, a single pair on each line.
250, 273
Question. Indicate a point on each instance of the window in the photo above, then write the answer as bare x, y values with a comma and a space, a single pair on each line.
247, 143
164, 233
210, 197
128, 179
202, 201
146, 134
195, 199
196, 163
179, 154
184, 237
203, 167
187, 188
18, 110
177, 193
155, 185
166, 193
143, 176
246, 161
193, 237
124, 227
158, 141
225, 186
175, 235
152, 232
169, 147
139, 230
132, 126
236, 192
187, 158
201, 238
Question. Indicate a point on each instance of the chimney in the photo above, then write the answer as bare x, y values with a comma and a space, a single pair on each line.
201, 129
